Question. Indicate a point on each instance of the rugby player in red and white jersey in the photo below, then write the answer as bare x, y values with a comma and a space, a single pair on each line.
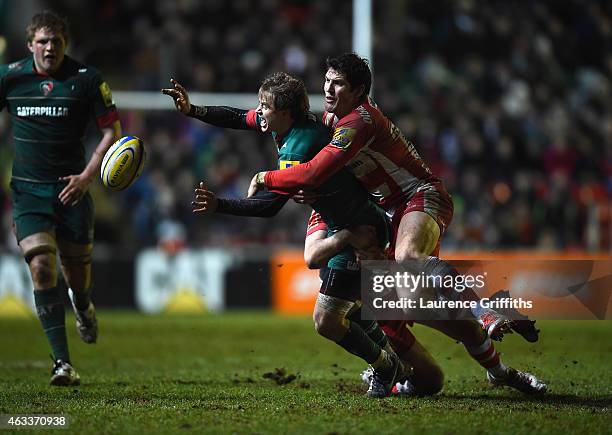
389, 166
427, 377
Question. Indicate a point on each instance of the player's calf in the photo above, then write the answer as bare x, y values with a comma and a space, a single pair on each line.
76, 266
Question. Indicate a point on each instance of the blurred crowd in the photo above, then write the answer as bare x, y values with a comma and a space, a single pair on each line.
510, 102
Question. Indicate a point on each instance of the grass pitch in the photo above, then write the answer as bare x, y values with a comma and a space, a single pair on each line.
217, 374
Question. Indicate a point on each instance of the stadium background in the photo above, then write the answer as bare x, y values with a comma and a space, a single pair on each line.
509, 101
510, 105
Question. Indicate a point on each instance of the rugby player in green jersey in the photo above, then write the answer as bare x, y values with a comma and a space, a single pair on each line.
51, 98
284, 111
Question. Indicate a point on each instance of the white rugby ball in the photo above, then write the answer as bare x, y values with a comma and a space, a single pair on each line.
123, 163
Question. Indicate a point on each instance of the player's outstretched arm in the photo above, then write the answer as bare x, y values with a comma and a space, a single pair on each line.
78, 184
264, 204
219, 116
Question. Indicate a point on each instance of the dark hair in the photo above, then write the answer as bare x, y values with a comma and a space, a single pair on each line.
288, 92
354, 68
47, 20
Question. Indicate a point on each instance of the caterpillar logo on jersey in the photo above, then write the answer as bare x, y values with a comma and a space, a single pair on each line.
107, 96
343, 137
284, 164
46, 87
54, 112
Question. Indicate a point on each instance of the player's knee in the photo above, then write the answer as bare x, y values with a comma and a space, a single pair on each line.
322, 322
328, 325
330, 316
409, 253
78, 262
42, 269
429, 381
435, 381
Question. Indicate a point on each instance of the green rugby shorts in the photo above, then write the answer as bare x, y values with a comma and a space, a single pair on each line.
37, 208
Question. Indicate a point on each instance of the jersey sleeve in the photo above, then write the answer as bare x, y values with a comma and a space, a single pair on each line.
252, 120
103, 105
262, 204
227, 117
351, 134
315, 223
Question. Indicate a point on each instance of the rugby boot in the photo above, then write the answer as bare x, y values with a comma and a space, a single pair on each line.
519, 322
63, 374
522, 381
382, 381
402, 387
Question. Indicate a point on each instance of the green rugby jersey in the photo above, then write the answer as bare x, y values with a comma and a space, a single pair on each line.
342, 200
50, 116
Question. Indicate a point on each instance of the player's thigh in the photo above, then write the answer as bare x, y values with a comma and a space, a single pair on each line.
33, 210
76, 223
420, 224
39, 251
417, 236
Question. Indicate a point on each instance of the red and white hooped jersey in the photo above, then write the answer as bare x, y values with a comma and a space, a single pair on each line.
375, 150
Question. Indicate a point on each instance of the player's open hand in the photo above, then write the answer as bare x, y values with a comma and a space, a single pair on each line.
205, 201
179, 95
74, 191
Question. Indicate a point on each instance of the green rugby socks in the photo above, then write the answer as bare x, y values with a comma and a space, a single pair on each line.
357, 342
50, 310
370, 327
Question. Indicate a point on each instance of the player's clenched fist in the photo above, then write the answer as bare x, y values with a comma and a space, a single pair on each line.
179, 95
205, 200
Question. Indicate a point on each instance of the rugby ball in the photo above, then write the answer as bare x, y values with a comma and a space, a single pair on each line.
123, 163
